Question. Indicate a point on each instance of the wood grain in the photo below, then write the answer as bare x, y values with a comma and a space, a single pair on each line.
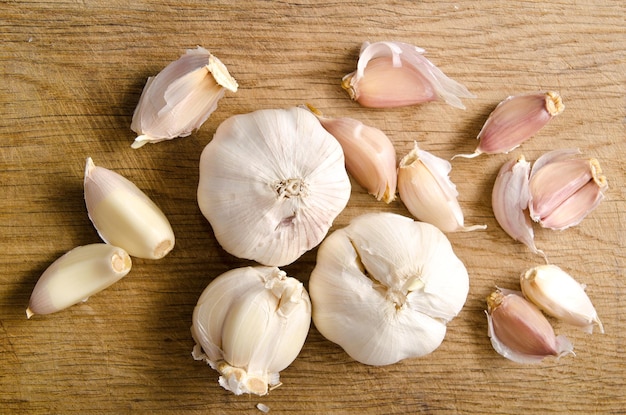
72, 72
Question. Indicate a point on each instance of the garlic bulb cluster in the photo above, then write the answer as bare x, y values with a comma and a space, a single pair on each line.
271, 184
385, 286
249, 324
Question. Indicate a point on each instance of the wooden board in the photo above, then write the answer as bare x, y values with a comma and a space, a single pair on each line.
72, 72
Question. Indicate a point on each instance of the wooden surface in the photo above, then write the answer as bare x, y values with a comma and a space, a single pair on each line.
72, 72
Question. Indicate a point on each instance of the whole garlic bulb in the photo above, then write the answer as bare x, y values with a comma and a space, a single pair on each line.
385, 286
271, 184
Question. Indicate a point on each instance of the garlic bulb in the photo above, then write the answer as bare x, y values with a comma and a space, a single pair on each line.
385, 286
124, 216
249, 324
271, 184
77, 275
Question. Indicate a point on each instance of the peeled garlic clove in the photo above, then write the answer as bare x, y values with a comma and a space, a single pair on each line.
559, 295
396, 74
77, 275
181, 97
249, 324
515, 120
370, 154
124, 216
520, 332
385, 286
564, 189
271, 184
428, 193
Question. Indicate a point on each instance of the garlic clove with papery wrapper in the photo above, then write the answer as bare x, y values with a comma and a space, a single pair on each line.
181, 97
249, 324
271, 184
385, 286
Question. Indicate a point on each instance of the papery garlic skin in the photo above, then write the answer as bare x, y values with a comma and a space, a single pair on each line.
385, 286
271, 184
396, 74
249, 324
560, 295
370, 154
520, 332
428, 193
125, 216
77, 275
181, 97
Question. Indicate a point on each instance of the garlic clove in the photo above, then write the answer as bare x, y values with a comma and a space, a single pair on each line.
249, 324
77, 275
428, 193
520, 332
515, 120
396, 74
181, 97
124, 216
370, 154
561, 296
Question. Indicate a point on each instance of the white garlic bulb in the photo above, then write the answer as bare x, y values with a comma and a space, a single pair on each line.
385, 286
249, 324
271, 184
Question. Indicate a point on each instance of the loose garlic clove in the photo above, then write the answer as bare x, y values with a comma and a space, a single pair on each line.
249, 324
181, 97
561, 296
384, 288
77, 275
515, 120
520, 332
396, 74
124, 216
271, 184
370, 154
428, 193
564, 189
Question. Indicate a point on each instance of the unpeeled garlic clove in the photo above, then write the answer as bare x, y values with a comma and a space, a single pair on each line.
77, 275
370, 154
124, 216
515, 120
396, 74
564, 189
559, 295
181, 97
428, 193
520, 332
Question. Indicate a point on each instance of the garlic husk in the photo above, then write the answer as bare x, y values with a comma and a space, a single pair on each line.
396, 74
271, 184
370, 154
125, 216
559, 295
385, 286
77, 275
249, 324
428, 193
519, 331
181, 97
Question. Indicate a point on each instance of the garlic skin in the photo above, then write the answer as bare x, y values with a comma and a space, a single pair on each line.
428, 193
564, 188
181, 97
396, 74
560, 295
370, 154
385, 286
519, 331
271, 184
77, 275
124, 216
249, 324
